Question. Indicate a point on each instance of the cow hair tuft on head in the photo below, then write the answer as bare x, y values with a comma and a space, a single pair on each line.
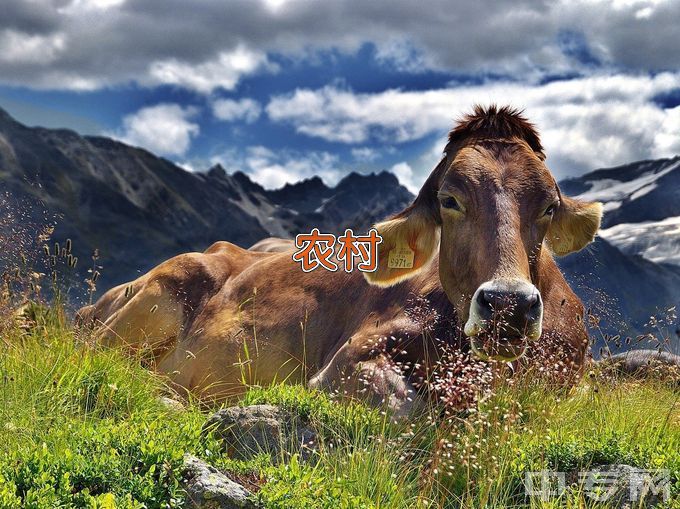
496, 122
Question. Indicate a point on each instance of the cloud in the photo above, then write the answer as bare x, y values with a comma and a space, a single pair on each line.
165, 129
405, 174
188, 166
343, 116
587, 122
223, 71
421, 166
35, 49
230, 110
104, 43
91, 5
214, 44
274, 169
365, 154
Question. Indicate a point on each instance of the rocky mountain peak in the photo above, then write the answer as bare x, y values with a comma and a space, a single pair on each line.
354, 180
217, 171
4, 116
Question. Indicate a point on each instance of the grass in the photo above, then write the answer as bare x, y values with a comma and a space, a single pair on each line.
81, 426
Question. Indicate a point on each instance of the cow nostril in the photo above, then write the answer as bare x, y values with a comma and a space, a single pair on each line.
493, 300
483, 299
533, 301
509, 302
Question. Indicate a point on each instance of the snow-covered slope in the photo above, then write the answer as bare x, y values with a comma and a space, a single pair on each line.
642, 206
657, 241
614, 193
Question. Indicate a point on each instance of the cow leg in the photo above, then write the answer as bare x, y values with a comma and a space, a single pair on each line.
356, 372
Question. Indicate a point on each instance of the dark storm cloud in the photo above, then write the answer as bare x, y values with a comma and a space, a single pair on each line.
645, 40
209, 44
28, 17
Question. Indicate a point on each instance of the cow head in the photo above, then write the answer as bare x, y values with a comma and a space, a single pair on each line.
490, 208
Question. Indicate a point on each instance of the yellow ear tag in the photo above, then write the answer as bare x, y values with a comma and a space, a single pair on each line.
401, 257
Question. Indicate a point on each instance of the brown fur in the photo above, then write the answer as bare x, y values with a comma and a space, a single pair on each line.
229, 317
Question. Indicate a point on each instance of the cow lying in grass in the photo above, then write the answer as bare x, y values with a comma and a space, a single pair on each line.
483, 231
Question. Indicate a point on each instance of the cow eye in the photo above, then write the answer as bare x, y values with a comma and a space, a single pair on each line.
449, 202
550, 211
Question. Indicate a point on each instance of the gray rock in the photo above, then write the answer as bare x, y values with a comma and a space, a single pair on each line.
247, 431
622, 486
208, 488
172, 404
635, 361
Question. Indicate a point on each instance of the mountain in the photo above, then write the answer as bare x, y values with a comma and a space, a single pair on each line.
642, 206
641, 191
633, 269
139, 209
622, 291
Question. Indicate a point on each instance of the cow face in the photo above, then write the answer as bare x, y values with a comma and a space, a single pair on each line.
493, 207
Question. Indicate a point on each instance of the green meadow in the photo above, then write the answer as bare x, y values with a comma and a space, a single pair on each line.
82, 426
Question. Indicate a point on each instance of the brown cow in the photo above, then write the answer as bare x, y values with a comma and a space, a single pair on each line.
273, 245
490, 210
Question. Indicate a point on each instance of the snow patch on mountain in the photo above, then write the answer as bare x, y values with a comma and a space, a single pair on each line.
657, 241
612, 191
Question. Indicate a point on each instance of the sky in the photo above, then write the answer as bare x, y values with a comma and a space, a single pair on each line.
287, 89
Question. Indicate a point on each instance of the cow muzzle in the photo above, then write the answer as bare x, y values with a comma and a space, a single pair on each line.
505, 315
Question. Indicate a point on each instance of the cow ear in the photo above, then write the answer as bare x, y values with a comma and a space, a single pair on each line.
574, 225
411, 238
409, 242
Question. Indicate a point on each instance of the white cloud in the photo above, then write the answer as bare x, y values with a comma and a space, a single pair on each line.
401, 53
584, 123
343, 116
667, 139
275, 5
80, 5
405, 174
187, 165
273, 169
223, 71
165, 129
16, 46
365, 154
231, 110
421, 166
